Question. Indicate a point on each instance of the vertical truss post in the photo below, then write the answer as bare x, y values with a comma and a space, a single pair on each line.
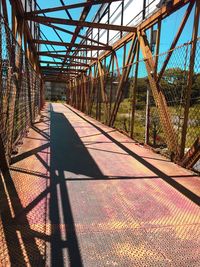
27, 54
103, 94
97, 97
76, 93
169, 132
134, 90
42, 92
69, 88
72, 94
90, 92
3, 160
111, 86
29, 91
122, 17
147, 115
82, 94
12, 79
79, 93
97, 93
18, 78
144, 10
99, 100
85, 89
66, 92
190, 77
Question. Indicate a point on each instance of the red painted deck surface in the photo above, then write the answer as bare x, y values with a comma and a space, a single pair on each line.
82, 194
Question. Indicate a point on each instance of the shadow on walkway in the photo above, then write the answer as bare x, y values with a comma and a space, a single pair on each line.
17, 231
183, 190
68, 155
69, 161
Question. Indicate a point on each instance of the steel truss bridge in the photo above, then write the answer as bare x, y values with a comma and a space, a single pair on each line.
110, 177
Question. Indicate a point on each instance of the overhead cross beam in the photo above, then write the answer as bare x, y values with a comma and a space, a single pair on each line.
89, 47
65, 7
58, 69
83, 17
62, 56
63, 80
71, 33
146, 24
64, 51
67, 64
41, 19
54, 73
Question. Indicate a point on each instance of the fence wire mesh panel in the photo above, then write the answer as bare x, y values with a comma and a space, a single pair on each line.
19, 91
174, 86
123, 118
138, 114
193, 124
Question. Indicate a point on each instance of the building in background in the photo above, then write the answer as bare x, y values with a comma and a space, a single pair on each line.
55, 91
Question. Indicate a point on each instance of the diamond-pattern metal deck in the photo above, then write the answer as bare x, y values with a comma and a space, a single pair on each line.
82, 194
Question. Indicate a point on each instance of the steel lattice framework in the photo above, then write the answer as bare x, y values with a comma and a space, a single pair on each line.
90, 67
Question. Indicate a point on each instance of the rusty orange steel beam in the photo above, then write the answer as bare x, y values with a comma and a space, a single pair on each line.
72, 33
67, 64
192, 155
113, 27
153, 19
62, 56
72, 6
63, 51
59, 69
89, 47
83, 16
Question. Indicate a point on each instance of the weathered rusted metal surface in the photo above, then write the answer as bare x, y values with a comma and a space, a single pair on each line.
83, 194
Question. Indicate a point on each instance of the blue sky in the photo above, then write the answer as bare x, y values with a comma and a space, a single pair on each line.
75, 13
169, 26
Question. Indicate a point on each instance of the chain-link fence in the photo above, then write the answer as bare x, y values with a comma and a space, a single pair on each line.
138, 114
19, 91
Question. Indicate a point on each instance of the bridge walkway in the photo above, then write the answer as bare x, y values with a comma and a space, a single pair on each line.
82, 194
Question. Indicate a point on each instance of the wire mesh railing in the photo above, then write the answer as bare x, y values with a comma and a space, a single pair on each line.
19, 90
138, 113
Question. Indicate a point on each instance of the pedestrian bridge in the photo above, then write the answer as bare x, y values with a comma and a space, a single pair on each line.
99, 133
